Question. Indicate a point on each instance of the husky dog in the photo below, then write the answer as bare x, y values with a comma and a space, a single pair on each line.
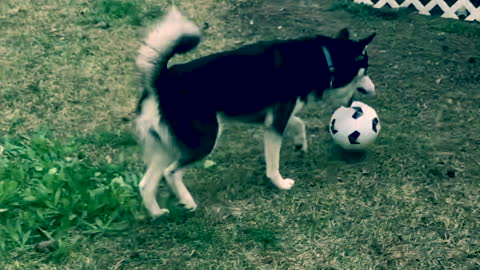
266, 83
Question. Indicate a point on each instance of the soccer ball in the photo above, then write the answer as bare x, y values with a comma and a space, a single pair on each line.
355, 127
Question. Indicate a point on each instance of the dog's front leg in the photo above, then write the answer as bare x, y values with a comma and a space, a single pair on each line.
273, 143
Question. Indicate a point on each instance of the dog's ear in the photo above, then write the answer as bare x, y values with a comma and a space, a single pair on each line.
364, 42
343, 34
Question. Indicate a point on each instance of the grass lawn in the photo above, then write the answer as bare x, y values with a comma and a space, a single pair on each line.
70, 166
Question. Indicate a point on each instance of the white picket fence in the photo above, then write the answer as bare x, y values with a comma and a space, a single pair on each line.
460, 9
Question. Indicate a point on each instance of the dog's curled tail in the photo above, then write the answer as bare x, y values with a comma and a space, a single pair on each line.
174, 34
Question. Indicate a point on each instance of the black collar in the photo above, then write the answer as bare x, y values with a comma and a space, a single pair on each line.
331, 68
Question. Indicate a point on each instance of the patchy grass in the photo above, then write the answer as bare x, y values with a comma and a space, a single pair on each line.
364, 10
411, 203
458, 27
133, 12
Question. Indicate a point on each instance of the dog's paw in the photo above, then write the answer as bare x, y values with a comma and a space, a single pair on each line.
302, 148
159, 212
189, 206
284, 184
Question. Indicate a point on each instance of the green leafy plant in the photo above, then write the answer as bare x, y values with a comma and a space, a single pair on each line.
46, 187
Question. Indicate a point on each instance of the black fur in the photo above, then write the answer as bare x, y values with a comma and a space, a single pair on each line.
248, 80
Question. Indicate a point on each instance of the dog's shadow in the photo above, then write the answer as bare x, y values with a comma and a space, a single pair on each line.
336, 153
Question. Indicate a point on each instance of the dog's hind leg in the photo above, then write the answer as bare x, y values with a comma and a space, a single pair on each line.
149, 185
198, 139
297, 127
174, 177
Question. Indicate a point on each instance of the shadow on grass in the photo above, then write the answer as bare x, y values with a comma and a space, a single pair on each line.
348, 156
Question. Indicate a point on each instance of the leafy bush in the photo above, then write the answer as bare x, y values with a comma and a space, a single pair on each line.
48, 189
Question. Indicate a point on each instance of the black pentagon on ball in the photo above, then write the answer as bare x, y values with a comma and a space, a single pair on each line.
358, 112
375, 123
352, 138
332, 127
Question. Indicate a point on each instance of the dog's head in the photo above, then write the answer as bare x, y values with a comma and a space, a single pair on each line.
348, 66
